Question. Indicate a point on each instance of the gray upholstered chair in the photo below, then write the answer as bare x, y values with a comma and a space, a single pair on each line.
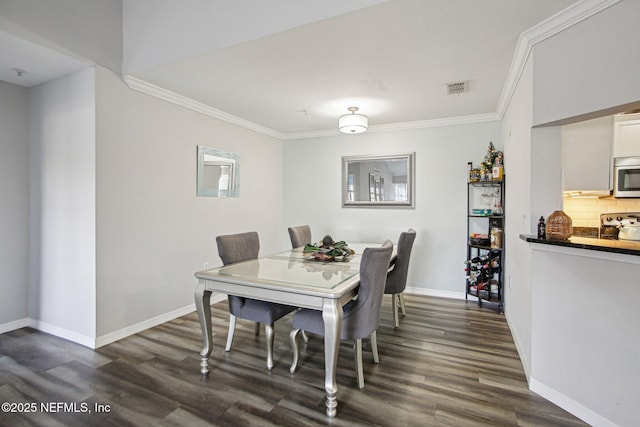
361, 315
300, 235
397, 275
241, 247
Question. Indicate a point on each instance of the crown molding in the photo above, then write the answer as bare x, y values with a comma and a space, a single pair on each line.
447, 121
142, 86
557, 23
421, 124
564, 19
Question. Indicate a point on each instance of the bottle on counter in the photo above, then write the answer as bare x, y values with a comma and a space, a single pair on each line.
542, 232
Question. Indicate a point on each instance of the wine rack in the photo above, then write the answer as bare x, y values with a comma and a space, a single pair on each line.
485, 242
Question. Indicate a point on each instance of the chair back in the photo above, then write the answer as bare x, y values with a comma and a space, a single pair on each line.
234, 248
397, 277
300, 235
363, 318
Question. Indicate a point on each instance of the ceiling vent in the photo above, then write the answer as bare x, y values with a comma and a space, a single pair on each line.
456, 88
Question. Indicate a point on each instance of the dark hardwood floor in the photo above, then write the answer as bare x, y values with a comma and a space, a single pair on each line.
449, 364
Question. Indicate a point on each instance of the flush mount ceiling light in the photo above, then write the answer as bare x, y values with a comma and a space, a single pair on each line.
353, 123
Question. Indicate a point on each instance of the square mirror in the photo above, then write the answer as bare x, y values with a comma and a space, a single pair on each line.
378, 181
218, 173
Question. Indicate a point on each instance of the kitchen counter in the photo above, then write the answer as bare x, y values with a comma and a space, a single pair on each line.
626, 247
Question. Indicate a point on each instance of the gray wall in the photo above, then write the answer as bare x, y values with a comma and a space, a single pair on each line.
153, 232
14, 207
312, 188
62, 258
116, 229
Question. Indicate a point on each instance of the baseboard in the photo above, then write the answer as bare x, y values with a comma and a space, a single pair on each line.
516, 341
49, 329
150, 323
434, 293
15, 324
570, 405
107, 338
62, 333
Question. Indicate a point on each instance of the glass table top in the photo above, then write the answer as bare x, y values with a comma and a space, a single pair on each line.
292, 268
291, 271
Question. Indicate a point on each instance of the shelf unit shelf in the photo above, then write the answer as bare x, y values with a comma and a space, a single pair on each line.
484, 262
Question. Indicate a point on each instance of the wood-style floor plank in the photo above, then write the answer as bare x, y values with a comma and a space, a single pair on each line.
449, 364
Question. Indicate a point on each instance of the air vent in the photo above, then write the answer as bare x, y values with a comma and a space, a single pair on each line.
456, 88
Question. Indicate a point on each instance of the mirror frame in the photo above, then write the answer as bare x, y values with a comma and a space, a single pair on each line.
410, 161
201, 189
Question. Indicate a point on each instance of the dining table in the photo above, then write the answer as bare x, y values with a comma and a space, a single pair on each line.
288, 277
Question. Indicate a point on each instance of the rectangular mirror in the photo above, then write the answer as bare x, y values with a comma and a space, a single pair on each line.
378, 181
218, 173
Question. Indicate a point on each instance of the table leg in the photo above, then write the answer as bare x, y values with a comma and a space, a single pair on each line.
332, 317
203, 307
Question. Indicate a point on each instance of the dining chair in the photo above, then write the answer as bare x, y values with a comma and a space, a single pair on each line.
397, 274
235, 248
361, 315
300, 235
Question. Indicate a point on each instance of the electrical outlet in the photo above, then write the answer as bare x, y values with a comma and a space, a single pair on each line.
206, 265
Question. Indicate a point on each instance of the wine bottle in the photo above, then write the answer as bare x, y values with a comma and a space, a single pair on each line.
542, 233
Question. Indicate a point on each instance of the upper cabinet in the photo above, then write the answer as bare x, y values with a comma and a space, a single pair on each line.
626, 135
586, 156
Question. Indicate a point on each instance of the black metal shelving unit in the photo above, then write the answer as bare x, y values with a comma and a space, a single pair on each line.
485, 257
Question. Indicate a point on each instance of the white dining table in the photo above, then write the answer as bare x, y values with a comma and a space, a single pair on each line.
287, 277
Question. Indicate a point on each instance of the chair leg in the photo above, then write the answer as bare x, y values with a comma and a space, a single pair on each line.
401, 296
305, 338
232, 329
268, 331
258, 328
394, 308
374, 347
294, 347
358, 357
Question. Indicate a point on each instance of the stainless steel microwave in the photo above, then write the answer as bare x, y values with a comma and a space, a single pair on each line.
626, 178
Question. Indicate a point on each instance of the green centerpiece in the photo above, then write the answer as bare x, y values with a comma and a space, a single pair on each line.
328, 250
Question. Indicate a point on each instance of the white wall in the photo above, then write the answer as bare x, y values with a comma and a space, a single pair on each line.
62, 206
312, 188
590, 66
572, 316
516, 128
585, 334
153, 232
14, 206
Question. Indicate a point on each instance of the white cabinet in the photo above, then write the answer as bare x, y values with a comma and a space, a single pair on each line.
626, 135
586, 156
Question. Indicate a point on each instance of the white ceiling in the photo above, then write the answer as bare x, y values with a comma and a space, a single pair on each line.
300, 69
37, 64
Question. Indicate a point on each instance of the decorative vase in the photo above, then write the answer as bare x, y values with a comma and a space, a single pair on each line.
559, 226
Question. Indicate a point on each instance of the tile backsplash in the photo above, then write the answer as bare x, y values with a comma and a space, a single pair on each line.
585, 212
